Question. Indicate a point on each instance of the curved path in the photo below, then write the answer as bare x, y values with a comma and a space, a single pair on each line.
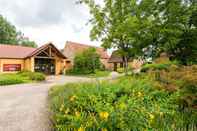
24, 107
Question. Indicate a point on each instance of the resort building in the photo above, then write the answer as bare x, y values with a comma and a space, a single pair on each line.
117, 61
47, 59
73, 48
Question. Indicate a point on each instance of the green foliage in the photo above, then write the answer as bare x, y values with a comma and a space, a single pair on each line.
120, 70
96, 74
37, 77
157, 66
34, 76
99, 73
145, 27
9, 35
182, 79
9, 79
119, 24
86, 62
130, 103
21, 77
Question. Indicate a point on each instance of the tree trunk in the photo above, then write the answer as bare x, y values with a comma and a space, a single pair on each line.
125, 63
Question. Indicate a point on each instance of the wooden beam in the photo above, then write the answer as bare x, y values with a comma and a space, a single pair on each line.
42, 57
50, 51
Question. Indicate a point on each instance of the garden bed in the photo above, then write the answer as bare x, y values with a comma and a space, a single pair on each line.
129, 103
21, 77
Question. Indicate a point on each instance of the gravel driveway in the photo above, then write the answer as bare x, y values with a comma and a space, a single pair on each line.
24, 107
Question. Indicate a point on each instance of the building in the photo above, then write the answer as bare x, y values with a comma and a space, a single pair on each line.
47, 59
73, 48
117, 61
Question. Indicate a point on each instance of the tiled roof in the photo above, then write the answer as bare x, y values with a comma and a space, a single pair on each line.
14, 51
21, 52
72, 48
116, 57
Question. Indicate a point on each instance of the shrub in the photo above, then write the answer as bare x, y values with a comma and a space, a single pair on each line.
86, 62
120, 70
37, 76
21, 77
155, 66
9, 79
125, 104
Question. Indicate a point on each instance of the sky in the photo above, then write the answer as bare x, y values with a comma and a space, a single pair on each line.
45, 21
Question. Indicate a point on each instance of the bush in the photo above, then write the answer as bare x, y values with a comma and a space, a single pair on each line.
86, 62
155, 66
180, 79
34, 76
125, 104
21, 77
9, 79
37, 76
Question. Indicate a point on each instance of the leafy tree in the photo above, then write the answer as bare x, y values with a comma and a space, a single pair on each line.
9, 35
121, 24
87, 62
136, 27
173, 30
24, 41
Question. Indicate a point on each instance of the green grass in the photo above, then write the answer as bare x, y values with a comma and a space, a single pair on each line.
19, 78
129, 103
97, 74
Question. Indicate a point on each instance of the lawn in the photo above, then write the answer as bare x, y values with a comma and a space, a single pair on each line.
97, 74
128, 103
22, 77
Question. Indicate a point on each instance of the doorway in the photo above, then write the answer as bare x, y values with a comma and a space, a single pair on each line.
46, 66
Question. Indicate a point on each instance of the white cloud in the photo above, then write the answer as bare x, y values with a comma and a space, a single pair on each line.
49, 20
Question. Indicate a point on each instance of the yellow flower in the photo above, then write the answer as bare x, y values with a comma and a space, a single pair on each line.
72, 98
161, 113
67, 110
151, 116
77, 113
81, 129
103, 129
62, 107
104, 115
139, 94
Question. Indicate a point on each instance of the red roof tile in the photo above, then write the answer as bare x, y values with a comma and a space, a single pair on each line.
72, 48
14, 51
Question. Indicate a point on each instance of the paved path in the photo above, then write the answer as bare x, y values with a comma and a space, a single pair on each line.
24, 107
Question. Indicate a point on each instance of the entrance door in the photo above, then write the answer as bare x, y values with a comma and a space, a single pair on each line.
46, 66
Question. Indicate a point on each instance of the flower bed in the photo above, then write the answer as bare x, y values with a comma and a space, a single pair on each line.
125, 104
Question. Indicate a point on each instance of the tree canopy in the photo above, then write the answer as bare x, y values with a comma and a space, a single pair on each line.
87, 62
9, 35
136, 26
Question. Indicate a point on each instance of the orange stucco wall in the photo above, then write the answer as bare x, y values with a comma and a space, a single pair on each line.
11, 61
28, 64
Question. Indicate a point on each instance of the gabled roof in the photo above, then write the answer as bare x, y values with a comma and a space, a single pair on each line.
14, 51
21, 52
72, 48
116, 57
35, 52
